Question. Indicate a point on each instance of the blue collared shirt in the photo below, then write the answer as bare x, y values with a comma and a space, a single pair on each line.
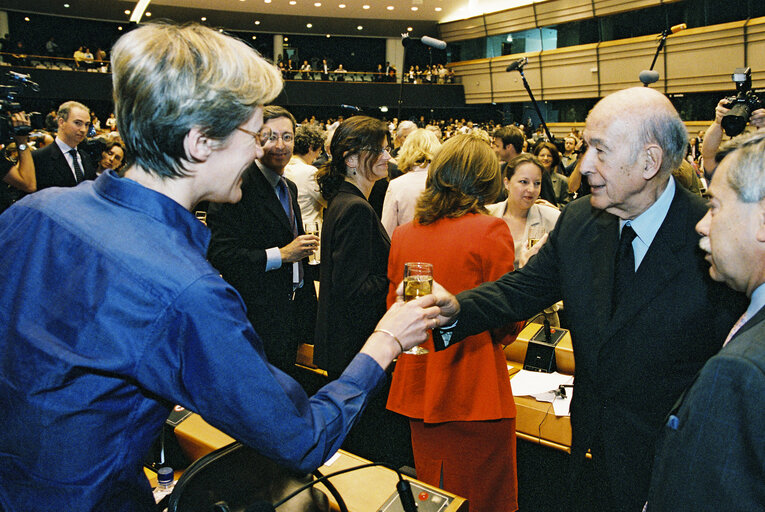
647, 224
756, 302
109, 315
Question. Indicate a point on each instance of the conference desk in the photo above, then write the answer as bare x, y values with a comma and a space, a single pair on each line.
365, 490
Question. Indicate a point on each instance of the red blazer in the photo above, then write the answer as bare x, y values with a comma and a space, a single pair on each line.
468, 381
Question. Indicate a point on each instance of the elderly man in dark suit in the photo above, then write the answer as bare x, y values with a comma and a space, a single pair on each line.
62, 164
626, 263
259, 246
711, 455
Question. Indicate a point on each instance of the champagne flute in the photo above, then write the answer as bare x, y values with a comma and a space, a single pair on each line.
418, 281
314, 228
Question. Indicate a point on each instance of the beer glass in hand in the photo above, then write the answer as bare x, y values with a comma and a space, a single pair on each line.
418, 281
313, 228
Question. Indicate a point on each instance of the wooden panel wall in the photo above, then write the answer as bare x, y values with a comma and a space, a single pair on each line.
698, 60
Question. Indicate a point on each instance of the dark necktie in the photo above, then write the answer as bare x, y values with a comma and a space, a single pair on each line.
624, 267
286, 199
79, 175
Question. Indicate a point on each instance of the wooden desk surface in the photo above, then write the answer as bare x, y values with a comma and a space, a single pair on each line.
365, 490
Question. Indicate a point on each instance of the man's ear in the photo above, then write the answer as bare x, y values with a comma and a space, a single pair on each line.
198, 146
653, 156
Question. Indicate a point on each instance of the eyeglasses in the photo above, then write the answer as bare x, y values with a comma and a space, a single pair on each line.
261, 137
378, 151
287, 137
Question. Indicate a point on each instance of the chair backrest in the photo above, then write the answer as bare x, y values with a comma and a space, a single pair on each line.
237, 476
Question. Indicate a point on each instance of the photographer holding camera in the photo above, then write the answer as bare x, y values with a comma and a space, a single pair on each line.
21, 173
731, 114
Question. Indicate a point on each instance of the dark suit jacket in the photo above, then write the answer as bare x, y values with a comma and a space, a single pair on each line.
632, 366
241, 233
52, 169
354, 281
711, 455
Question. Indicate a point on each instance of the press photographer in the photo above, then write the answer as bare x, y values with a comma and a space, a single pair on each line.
731, 116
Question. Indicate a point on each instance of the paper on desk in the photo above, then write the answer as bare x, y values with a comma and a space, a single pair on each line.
526, 383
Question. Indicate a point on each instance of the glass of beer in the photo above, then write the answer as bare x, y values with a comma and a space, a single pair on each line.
535, 233
418, 281
314, 228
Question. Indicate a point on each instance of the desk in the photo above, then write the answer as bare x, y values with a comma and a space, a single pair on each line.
535, 421
363, 491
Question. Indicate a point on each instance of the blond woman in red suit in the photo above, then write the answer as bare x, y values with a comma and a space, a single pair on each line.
459, 401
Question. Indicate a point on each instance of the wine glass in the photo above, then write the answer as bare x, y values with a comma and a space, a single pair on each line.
314, 228
418, 281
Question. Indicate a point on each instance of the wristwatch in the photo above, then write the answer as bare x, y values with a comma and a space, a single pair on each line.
22, 147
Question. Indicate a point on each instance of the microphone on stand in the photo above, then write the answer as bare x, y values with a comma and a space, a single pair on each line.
674, 29
517, 65
648, 76
408, 40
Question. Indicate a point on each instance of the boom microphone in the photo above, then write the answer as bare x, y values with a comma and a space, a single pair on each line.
677, 28
517, 65
648, 76
433, 42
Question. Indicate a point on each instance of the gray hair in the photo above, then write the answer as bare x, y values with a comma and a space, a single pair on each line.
66, 107
169, 79
746, 166
405, 126
665, 128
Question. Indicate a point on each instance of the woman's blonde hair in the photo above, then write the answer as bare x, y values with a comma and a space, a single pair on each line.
171, 78
463, 177
418, 150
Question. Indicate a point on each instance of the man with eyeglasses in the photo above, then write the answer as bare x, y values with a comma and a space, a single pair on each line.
259, 245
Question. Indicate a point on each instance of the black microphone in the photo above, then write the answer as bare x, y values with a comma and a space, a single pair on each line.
350, 107
517, 65
649, 76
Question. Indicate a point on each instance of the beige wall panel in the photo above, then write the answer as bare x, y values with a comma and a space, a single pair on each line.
568, 73
462, 30
703, 59
756, 52
563, 11
608, 7
476, 80
622, 61
509, 86
511, 20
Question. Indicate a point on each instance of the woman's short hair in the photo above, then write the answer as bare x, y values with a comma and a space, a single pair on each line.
357, 135
200, 78
418, 149
523, 158
553, 151
463, 177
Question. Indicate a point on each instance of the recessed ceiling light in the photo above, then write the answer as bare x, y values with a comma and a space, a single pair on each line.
317, 4
328, 36
127, 11
342, 6
292, 2
66, 5
203, 18
257, 22
254, 37
267, 1
365, 6
119, 27
390, 7
147, 14
308, 25
360, 27
409, 29
438, 9
26, 18
414, 8
220, 30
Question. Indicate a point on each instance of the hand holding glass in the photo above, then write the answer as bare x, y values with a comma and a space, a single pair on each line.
313, 228
418, 281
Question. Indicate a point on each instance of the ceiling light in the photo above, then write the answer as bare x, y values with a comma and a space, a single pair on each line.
292, 2
328, 36
267, 1
147, 14
119, 27
438, 9
286, 39
127, 11
257, 22
360, 27
66, 5
390, 7
308, 25
203, 18
317, 4
254, 37
414, 8
365, 6
342, 6
220, 30
26, 18
409, 29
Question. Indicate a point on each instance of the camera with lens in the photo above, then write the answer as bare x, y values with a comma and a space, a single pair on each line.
742, 104
9, 106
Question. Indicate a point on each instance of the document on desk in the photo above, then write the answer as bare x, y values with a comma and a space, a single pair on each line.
542, 386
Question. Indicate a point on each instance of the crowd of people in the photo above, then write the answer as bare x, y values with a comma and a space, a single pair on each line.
119, 303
